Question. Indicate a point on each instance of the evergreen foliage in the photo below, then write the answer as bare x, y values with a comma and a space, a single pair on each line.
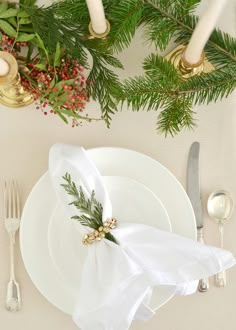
160, 88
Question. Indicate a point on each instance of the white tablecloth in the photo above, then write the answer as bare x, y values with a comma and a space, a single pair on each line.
25, 138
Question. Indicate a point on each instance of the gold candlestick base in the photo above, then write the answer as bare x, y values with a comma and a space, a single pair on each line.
185, 69
94, 34
12, 93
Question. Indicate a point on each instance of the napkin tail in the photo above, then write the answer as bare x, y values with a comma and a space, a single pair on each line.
119, 312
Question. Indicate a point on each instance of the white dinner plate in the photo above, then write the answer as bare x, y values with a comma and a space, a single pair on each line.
41, 202
131, 202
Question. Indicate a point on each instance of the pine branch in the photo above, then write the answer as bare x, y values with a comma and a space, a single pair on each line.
105, 84
89, 208
163, 19
148, 92
176, 114
125, 17
174, 19
54, 29
162, 88
210, 87
161, 70
142, 93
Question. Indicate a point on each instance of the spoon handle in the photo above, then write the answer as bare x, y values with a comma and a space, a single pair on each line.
203, 284
220, 278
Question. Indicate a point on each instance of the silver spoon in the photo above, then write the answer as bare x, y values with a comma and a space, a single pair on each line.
220, 206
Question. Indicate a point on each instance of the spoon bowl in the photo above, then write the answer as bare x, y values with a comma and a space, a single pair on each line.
220, 206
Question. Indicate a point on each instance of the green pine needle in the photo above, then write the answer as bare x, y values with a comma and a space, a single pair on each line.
90, 210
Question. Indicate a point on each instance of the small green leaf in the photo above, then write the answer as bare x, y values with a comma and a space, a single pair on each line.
24, 28
7, 28
57, 57
40, 41
25, 37
52, 83
12, 21
61, 116
71, 114
24, 20
41, 66
52, 97
23, 13
3, 6
41, 45
64, 82
9, 13
29, 53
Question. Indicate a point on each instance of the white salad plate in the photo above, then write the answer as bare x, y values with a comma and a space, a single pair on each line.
148, 176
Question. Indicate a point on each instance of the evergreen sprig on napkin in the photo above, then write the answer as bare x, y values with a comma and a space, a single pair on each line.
90, 210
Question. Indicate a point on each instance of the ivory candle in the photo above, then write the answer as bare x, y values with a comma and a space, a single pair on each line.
203, 31
97, 15
4, 67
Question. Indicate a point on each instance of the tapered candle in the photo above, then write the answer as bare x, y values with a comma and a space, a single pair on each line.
204, 28
97, 16
4, 67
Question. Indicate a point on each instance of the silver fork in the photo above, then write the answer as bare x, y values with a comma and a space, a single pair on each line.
12, 224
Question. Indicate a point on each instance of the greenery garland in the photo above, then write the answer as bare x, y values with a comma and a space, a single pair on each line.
64, 25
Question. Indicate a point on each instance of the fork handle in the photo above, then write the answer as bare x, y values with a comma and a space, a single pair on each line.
12, 256
13, 299
203, 284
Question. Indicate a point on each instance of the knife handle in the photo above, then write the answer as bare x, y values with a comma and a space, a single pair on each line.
203, 284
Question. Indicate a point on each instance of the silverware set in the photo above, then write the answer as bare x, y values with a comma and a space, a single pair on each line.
220, 206
12, 213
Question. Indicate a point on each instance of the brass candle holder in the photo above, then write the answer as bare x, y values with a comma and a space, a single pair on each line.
12, 93
186, 69
96, 35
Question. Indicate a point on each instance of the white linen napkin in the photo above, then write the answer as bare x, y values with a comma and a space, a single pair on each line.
117, 280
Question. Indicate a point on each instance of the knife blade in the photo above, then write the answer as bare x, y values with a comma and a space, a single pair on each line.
194, 193
193, 183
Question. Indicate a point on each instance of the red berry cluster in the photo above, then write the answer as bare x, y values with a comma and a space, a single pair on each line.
69, 96
43, 84
8, 44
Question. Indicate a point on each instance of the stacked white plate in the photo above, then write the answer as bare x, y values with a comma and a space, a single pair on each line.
141, 191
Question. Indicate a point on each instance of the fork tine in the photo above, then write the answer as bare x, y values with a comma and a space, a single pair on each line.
18, 210
13, 198
5, 201
9, 201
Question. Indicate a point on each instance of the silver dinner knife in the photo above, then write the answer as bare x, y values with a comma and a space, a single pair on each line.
193, 190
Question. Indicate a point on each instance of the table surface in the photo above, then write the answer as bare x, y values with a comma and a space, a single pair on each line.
26, 136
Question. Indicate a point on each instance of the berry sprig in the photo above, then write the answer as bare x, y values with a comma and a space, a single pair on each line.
61, 87
10, 45
54, 79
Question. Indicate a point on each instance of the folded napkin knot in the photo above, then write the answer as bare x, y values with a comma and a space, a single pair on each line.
100, 233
